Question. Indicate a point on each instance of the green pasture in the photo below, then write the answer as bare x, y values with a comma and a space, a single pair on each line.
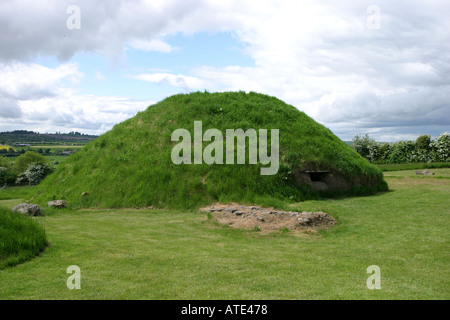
176, 254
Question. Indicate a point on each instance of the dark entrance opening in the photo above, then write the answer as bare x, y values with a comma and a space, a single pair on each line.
317, 175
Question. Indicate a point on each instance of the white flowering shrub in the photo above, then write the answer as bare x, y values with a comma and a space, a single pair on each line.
441, 147
421, 150
34, 174
363, 144
374, 153
401, 152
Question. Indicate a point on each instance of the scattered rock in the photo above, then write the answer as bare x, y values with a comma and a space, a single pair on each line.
425, 172
28, 208
250, 217
57, 203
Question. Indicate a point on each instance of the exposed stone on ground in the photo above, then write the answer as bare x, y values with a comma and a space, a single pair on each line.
28, 208
268, 219
57, 203
425, 172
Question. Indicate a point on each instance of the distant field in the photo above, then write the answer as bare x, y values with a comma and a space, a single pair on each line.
51, 158
3, 147
169, 254
54, 155
57, 147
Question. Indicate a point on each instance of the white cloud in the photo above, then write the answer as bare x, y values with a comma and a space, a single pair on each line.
152, 45
72, 112
99, 76
29, 81
318, 56
187, 83
322, 58
87, 113
9, 108
41, 98
31, 28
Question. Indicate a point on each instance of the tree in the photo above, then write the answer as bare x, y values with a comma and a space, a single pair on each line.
402, 152
364, 145
385, 150
5, 163
421, 150
423, 142
6, 175
25, 160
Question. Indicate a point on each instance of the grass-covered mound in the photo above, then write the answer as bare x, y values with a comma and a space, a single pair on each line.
131, 165
21, 238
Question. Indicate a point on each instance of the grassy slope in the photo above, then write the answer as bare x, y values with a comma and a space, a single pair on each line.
131, 165
21, 238
160, 254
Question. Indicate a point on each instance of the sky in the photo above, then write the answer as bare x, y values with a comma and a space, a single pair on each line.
357, 67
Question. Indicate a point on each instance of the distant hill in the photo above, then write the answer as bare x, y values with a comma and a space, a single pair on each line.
29, 137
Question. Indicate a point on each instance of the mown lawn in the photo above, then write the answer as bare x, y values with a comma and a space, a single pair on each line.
160, 254
412, 166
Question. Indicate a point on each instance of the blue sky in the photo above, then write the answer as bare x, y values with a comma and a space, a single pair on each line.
110, 75
219, 49
355, 66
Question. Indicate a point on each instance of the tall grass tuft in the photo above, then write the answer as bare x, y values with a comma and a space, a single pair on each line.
21, 238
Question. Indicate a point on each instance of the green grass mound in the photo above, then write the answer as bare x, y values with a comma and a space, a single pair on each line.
131, 165
21, 238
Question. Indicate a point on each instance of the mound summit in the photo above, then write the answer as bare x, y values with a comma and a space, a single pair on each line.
131, 165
